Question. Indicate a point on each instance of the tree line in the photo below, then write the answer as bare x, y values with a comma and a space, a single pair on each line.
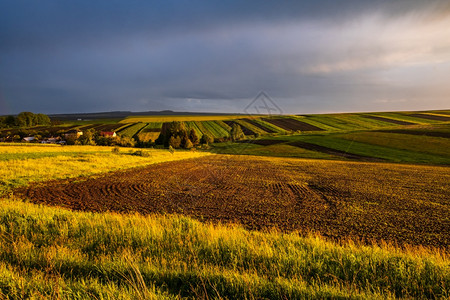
24, 119
177, 135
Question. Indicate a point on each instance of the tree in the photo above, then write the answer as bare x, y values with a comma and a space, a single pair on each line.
206, 139
126, 141
41, 119
25, 119
88, 137
10, 121
175, 129
194, 137
175, 142
188, 144
236, 132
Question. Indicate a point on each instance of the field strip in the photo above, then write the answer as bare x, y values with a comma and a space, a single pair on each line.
339, 153
397, 122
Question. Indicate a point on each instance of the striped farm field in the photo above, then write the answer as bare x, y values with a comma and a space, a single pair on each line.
130, 131
149, 119
292, 124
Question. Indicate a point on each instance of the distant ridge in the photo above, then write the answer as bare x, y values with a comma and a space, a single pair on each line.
124, 114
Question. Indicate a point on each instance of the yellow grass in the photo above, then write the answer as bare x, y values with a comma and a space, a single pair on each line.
179, 118
33, 148
90, 160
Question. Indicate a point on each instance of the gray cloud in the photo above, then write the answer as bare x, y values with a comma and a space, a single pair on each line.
310, 56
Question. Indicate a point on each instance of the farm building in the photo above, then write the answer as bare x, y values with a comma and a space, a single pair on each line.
51, 140
29, 139
74, 133
110, 134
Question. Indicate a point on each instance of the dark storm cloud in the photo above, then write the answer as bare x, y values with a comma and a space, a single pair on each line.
60, 56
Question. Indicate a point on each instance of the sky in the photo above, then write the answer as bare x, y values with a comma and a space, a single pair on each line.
76, 56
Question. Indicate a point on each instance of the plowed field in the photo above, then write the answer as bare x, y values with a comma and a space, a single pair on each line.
431, 117
291, 124
398, 122
366, 201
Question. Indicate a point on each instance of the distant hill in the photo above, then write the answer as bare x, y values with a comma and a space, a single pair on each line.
124, 114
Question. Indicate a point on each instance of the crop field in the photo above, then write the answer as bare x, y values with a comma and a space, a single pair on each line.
292, 124
358, 209
260, 126
433, 117
219, 226
424, 144
245, 130
21, 165
401, 204
393, 121
132, 130
250, 126
178, 118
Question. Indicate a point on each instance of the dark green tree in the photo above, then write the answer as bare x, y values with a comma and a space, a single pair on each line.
194, 137
41, 119
25, 119
175, 129
88, 137
236, 132
175, 142
206, 139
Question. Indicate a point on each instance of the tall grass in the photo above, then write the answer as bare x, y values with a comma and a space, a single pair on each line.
58, 253
28, 164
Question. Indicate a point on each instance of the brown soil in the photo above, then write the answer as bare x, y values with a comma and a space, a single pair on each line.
108, 127
291, 124
259, 126
418, 132
389, 120
366, 201
245, 130
267, 142
431, 117
314, 147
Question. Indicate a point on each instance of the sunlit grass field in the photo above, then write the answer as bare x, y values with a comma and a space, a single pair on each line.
377, 144
20, 165
48, 252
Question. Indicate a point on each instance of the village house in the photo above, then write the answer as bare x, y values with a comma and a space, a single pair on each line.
51, 140
73, 134
29, 139
109, 134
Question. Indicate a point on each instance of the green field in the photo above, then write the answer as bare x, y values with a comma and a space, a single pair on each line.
424, 144
57, 253
52, 252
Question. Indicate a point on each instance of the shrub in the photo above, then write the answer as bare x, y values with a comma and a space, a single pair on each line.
206, 139
115, 150
188, 144
175, 142
171, 150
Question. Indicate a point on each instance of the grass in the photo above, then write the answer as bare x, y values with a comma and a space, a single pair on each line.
278, 150
214, 129
252, 127
72, 161
344, 122
130, 131
416, 143
270, 126
392, 147
50, 252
